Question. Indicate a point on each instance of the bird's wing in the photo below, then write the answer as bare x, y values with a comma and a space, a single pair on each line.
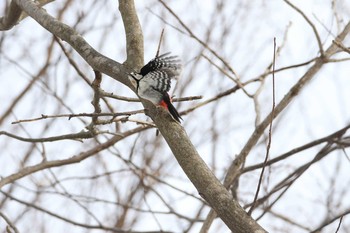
162, 62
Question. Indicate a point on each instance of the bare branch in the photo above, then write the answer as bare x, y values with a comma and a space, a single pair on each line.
74, 159
160, 42
288, 220
340, 221
8, 221
228, 75
270, 129
96, 60
22, 94
118, 97
234, 169
69, 116
189, 31
205, 102
73, 136
68, 220
72, 62
142, 188
129, 99
11, 17
329, 221
133, 33
208, 186
340, 45
188, 98
320, 47
331, 137
289, 180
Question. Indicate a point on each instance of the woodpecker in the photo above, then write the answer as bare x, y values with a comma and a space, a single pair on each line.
154, 80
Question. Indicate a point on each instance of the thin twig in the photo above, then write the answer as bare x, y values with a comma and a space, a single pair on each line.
119, 97
73, 136
311, 24
288, 220
71, 61
270, 129
71, 221
70, 116
331, 220
138, 122
340, 221
235, 167
289, 180
340, 45
228, 75
25, 171
8, 221
129, 99
205, 102
191, 34
188, 98
160, 42
331, 137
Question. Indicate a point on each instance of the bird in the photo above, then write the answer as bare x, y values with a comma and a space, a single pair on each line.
154, 81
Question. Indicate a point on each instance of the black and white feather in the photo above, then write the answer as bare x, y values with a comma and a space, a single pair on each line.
163, 62
154, 80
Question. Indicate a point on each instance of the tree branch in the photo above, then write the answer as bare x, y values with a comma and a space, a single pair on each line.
73, 222
73, 136
8, 221
14, 14
74, 159
96, 60
11, 17
320, 47
133, 33
234, 168
208, 186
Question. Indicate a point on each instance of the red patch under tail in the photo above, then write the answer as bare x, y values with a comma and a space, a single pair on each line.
166, 103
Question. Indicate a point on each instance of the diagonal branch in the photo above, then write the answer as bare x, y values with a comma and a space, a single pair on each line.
320, 47
234, 168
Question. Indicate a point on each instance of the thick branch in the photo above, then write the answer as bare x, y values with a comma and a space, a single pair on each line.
133, 33
208, 186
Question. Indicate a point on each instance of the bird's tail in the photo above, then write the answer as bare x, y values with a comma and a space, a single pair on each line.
168, 105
